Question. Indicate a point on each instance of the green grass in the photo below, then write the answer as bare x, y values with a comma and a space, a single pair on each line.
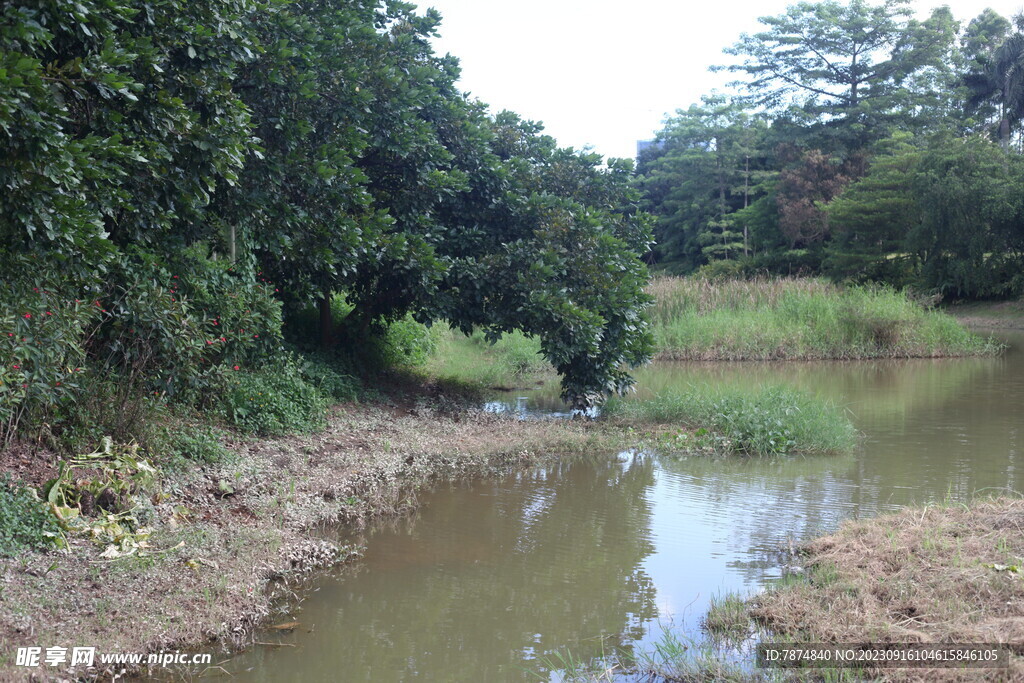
25, 523
756, 420
512, 361
727, 615
791, 318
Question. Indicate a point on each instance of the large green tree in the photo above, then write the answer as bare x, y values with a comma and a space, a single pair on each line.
708, 164
970, 238
872, 217
849, 67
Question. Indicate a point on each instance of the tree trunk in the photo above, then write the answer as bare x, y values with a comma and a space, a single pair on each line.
326, 322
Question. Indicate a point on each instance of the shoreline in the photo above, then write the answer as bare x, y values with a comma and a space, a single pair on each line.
925, 574
230, 539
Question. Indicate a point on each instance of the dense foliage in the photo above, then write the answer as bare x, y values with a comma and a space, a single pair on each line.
178, 178
864, 144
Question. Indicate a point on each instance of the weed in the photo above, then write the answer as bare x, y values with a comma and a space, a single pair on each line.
275, 400
727, 615
24, 521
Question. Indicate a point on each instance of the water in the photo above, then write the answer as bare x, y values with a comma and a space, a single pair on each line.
493, 578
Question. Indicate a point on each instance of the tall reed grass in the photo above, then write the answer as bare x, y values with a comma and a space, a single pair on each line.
799, 318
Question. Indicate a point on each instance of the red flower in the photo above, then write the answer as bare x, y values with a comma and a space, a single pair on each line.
208, 341
236, 367
58, 384
16, 367
48, 313
214, 322
27, 316
223, 339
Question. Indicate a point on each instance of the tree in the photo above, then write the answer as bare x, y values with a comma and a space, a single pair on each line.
707, 165
847, 66
873, 215
996, 83
970, 238
805, 187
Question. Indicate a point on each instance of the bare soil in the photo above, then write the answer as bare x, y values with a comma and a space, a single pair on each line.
1007, 315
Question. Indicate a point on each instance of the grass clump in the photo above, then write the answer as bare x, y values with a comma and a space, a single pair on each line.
765, 420
799, 318
185, 444
727, 615
25, 523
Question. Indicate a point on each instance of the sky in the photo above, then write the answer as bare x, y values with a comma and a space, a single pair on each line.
604, 73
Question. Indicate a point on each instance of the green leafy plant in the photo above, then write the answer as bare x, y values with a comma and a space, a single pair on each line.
25, 522
275, 400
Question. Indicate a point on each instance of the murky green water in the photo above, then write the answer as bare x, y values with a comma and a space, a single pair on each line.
491, 578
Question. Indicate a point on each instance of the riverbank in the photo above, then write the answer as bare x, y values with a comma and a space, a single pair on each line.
224, 541
1005, 315
934, 574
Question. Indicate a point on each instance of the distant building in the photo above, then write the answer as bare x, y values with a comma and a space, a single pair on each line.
641, 145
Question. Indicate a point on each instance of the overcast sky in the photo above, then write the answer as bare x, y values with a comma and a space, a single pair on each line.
605, 73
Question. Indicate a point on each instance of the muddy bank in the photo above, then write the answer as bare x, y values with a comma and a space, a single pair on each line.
923, 575
229, 539
1003, 315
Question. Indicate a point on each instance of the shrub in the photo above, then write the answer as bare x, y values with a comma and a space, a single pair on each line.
406, 343
43, 330
187, 443
25, 523
273, 401
320, 371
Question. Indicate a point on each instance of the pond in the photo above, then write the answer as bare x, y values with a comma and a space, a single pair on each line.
503, 579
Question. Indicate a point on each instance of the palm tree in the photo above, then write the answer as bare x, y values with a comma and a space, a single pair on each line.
1000, 80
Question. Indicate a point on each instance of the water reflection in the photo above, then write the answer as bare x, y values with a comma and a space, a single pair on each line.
492, 577
489, 577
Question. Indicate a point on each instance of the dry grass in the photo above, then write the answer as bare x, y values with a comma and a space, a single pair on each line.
937, 574
225, 534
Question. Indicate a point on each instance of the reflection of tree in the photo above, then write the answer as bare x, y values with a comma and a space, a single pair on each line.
872, 390
490, 577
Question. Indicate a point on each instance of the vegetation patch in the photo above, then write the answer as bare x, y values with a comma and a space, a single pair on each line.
25, 522
767, 420
511, 360
934, 574
727, 615
274, 401
799, 319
